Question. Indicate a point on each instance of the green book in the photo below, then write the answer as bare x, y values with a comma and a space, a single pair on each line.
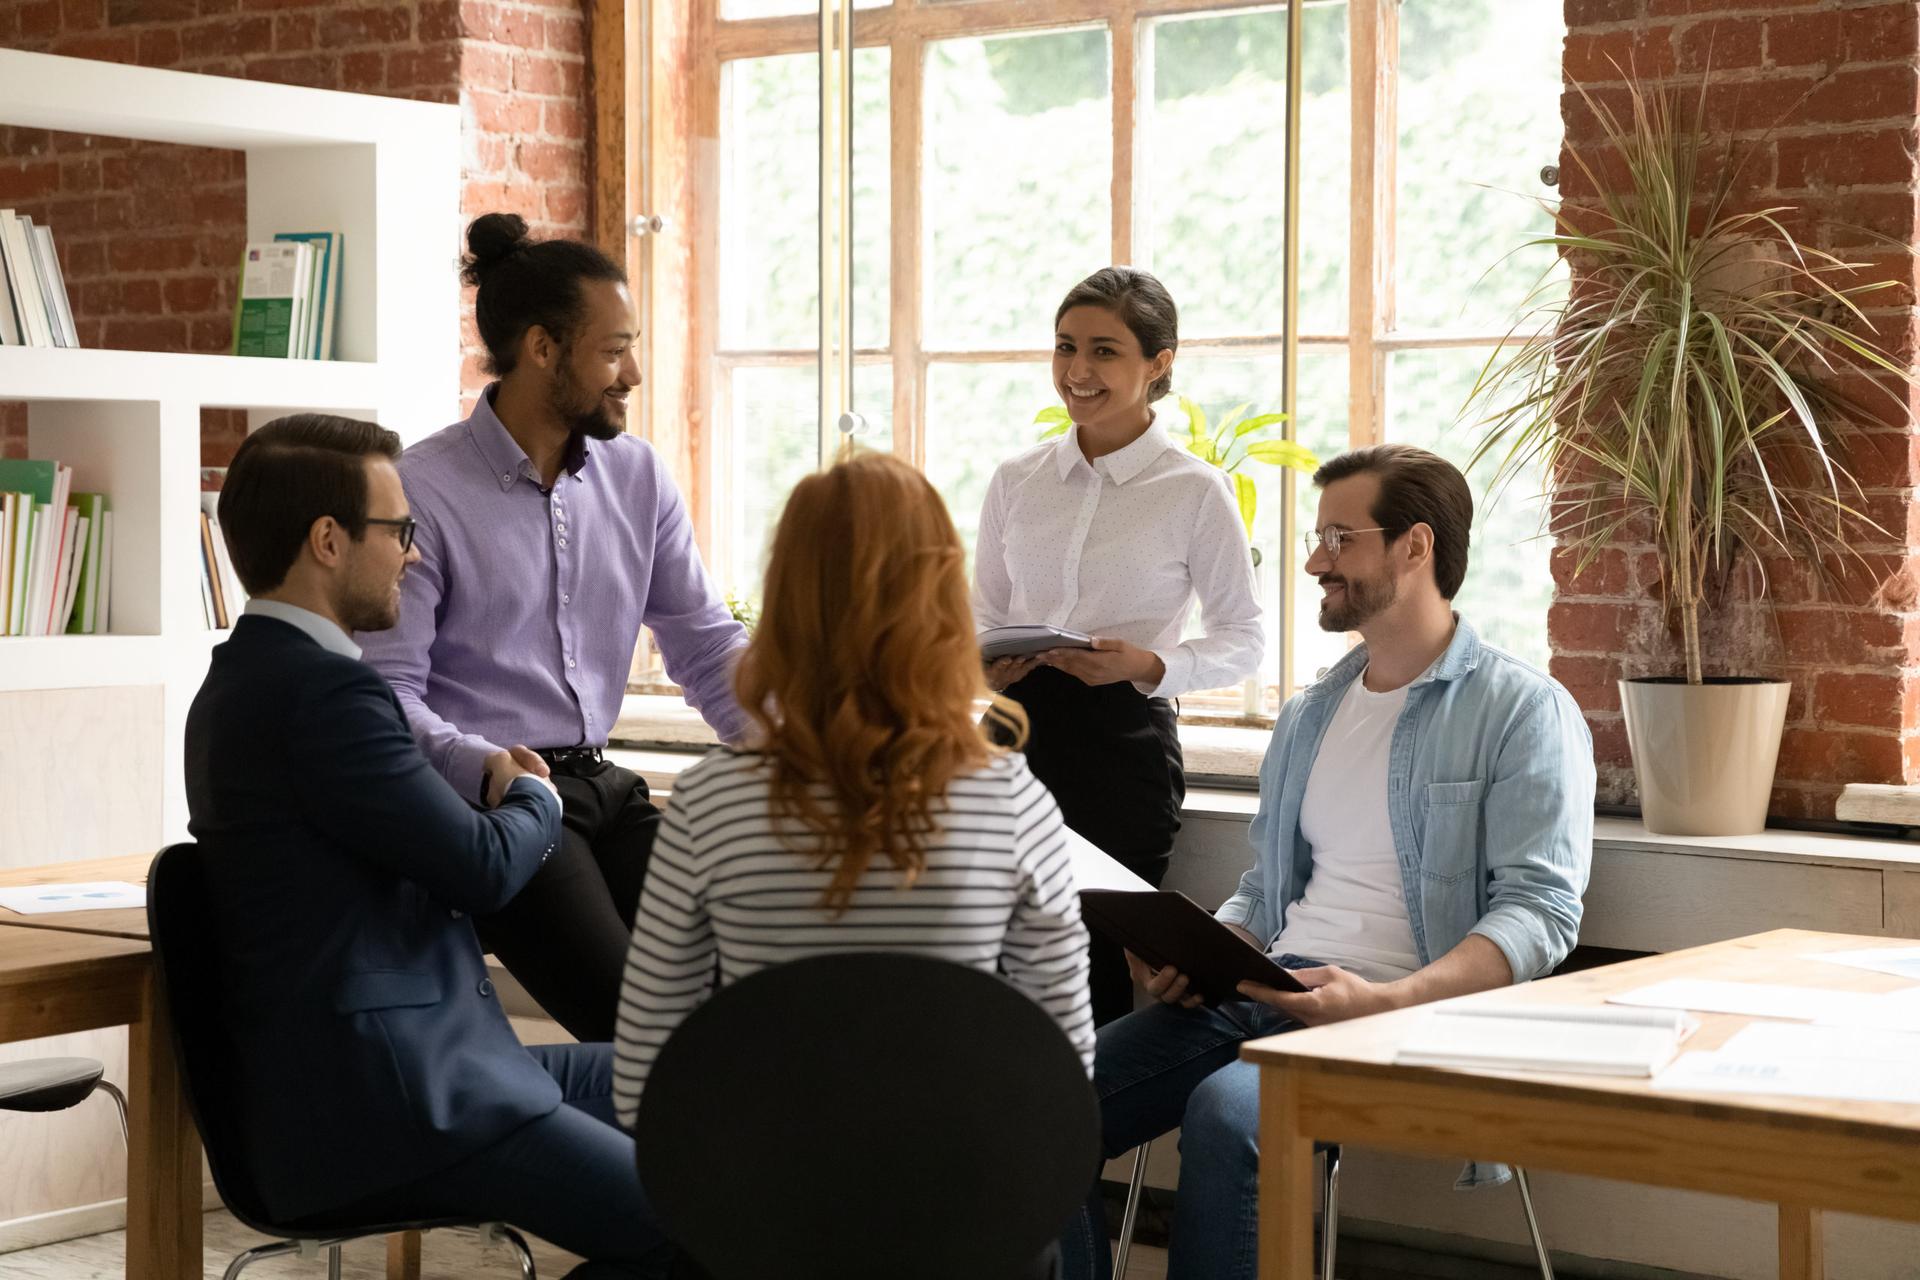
264, 319
86, 601
36, 479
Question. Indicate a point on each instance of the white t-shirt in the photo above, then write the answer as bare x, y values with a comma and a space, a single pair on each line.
1354, 912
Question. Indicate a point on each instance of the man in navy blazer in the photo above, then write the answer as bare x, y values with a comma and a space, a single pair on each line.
378, 1077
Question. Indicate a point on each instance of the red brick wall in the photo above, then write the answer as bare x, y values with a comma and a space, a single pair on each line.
150, 236
1845, 158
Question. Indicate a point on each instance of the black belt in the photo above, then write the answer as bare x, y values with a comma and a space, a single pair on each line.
569, 757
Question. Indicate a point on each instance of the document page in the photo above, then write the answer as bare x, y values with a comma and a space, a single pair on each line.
1863, 1064
89, 895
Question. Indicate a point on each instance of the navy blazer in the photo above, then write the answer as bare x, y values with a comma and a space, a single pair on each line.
369, 1049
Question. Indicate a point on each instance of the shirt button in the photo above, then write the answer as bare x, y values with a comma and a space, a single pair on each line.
486, 986
563, 544
506, 477
454, 914
571, 664
565, 598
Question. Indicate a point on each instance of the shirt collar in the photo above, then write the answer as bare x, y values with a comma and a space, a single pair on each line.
323, 631
1121, 465
504, 457
1462, 655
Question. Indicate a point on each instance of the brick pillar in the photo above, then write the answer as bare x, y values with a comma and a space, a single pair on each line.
150, 235
1824, 92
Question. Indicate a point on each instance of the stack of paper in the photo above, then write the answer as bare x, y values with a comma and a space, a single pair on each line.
1582, 1039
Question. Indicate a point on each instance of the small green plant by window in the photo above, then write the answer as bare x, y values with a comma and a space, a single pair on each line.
744, 611
1237, 440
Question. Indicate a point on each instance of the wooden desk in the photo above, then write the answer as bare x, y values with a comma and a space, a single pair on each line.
1339, 1084
113, 924
53, 982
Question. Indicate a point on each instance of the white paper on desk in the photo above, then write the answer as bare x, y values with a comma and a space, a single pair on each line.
1095, 868
87, 895
1755, 999
1860, 1064
1894, 1011
1901, 962
1585, 1039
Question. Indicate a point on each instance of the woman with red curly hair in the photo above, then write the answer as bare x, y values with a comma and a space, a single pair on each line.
869, 811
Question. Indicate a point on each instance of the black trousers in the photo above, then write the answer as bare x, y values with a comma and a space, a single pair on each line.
1111, 757
565, 935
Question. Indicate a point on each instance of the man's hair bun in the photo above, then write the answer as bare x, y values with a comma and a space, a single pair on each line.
492, 238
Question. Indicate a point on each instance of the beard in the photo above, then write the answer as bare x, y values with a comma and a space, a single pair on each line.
585, 412
369, 608
1363, 600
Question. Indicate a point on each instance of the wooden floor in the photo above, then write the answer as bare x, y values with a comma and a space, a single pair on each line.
444, 1255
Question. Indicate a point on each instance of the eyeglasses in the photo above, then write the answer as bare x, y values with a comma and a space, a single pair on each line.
1332, 537
405, 527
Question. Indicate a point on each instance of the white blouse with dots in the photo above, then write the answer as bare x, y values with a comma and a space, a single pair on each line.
1119, 547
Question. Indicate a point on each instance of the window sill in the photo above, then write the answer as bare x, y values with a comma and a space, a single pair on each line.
657, 736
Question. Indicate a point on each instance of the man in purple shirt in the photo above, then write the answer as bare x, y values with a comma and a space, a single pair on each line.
548, 538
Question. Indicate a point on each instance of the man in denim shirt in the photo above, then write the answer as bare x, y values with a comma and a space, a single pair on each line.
1425, 830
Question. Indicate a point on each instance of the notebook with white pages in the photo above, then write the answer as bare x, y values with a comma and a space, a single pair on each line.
1605, 1040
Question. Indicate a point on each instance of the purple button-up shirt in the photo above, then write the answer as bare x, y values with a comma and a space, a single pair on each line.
518, 625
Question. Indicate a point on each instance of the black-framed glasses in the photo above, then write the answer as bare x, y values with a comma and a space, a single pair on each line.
403, 527
1332, 537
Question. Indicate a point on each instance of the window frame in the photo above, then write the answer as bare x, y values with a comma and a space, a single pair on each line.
657, 79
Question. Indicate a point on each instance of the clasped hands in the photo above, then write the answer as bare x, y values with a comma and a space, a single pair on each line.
1333, 994
502, 767
1109, 662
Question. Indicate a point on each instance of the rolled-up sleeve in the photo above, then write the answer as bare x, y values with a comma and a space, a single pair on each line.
1539, 835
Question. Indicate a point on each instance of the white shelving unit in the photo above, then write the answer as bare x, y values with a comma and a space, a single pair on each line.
385, 172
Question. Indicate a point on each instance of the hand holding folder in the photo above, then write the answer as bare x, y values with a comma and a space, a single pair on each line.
1166, 928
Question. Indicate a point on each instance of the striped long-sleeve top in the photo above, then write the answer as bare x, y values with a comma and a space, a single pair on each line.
724, 884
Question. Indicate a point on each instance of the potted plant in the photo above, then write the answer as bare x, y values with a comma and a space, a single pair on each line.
1238, 439
1687, 392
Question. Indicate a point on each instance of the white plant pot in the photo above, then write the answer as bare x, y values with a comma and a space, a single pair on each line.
1704, 754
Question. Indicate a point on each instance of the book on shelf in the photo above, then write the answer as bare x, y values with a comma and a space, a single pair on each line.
34, 310
323, 295
224, 594
289, 296
57, 556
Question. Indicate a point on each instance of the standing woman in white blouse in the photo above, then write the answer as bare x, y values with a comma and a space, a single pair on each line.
1112, 530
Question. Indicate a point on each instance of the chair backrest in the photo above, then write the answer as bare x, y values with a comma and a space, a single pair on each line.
187, 962
867, 1115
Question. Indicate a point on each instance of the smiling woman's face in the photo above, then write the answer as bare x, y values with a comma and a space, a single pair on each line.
1099, 370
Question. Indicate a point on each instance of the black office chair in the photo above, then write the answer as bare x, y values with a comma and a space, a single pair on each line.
54, 1084
187, 960
868, 1117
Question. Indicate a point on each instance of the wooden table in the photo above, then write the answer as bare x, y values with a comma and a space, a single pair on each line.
127, 923
1339, 1084
54, 982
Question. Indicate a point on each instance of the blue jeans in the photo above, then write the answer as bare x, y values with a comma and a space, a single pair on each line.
1162, 1067
568, 1177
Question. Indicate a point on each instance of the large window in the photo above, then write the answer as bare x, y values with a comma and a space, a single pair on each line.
1002, 150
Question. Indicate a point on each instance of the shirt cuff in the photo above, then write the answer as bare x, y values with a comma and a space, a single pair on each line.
467, 765
1177, 677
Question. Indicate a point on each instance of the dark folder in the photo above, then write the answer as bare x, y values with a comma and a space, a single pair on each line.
1168, 928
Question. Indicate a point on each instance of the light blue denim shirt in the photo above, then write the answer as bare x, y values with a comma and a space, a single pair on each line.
1490, 797
1489, 794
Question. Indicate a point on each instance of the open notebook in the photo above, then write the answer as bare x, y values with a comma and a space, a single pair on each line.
1605, 1040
